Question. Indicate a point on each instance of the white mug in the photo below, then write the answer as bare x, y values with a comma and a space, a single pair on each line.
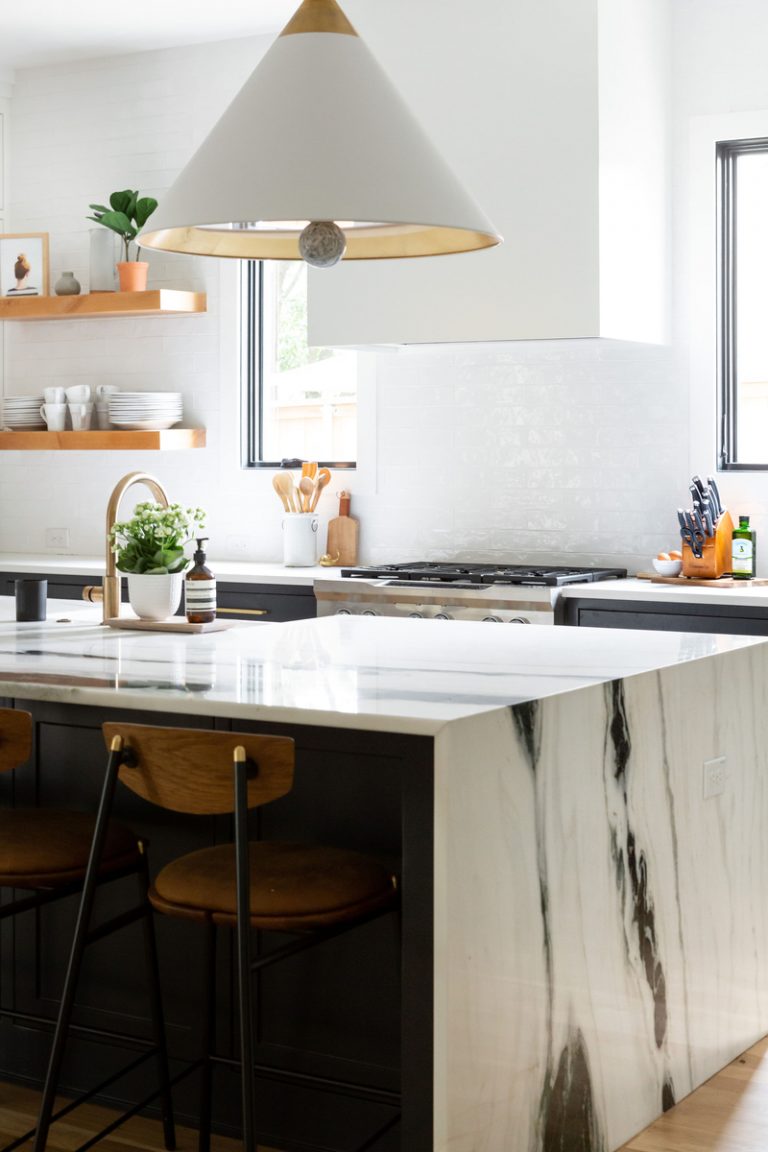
54, 395
80, 415
55, 416
300, 539
104, 391
79, 394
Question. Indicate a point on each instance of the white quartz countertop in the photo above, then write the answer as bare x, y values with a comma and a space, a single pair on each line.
235, 571
409, 676
646, 590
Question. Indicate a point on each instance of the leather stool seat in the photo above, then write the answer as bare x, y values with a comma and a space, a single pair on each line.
293, 887
44, 848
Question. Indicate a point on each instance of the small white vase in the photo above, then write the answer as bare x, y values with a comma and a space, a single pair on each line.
155, 597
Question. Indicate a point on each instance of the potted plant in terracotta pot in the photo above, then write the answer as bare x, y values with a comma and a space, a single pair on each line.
149, 548
127, 214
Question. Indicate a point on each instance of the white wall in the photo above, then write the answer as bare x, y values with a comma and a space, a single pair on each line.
720, 92
521, 451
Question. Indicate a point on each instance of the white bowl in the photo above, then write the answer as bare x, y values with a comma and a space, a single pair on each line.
668, 567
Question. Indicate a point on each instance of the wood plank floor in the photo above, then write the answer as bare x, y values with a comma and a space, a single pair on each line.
18, 1112
729, 1113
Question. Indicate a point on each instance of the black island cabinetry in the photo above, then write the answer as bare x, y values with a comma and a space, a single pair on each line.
272, 603
338, 1028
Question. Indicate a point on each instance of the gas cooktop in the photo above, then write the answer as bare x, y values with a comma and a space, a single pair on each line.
470, 575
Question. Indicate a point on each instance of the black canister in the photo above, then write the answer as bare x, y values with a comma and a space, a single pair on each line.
30, 599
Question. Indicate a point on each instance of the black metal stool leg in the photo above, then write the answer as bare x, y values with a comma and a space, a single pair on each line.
76, 955
244, 952
156, 1007
208, 1038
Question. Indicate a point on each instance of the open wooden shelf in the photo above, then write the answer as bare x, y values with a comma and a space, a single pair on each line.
155, 302
88, 441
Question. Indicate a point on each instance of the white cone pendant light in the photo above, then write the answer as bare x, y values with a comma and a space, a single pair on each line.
318, 157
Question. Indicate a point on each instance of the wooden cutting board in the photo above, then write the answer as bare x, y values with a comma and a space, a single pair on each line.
687, 581
175, 624
342, 535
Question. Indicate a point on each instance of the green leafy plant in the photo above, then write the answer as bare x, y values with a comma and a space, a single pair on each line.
153, 540
127, 214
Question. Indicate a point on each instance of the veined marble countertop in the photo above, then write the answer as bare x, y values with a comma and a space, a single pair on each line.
634, 589
236, 571
409, 676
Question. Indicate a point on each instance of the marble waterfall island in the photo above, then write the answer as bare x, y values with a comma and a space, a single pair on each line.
594, 930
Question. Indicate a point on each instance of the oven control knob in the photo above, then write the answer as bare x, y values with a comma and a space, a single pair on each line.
343, 612
519, 620
369, 612
442, 616
492, 619
416, 615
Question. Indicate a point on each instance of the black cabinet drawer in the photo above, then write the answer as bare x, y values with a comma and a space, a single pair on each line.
731, 620
268, 602
59, 587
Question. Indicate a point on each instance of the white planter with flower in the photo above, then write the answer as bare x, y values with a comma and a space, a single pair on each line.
149, 549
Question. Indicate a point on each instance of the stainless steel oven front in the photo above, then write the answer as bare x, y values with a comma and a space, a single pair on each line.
492, 603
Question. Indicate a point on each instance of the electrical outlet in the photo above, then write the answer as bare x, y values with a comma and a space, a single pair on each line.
57, 538
715, 775
238, 545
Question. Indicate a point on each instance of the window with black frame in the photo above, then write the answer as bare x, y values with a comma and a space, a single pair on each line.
742, 179
300, 402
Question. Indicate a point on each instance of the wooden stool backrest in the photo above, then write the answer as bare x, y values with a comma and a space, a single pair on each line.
15, 738
192, 770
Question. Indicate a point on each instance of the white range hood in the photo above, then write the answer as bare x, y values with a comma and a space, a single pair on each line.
554, 115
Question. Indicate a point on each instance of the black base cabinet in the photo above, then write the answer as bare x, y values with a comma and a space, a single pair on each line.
272, 603
590, 612
330, 1022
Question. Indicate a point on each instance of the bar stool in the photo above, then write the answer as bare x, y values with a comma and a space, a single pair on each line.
311, 892
48, 852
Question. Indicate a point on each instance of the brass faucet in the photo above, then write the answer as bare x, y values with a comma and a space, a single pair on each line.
111, 583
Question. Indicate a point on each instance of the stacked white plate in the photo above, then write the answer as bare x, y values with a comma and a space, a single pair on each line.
23, 412
145, 410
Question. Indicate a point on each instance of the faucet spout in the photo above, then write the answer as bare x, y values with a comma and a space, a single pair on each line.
111, 582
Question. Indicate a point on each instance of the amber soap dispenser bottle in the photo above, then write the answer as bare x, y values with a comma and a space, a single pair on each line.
200, 590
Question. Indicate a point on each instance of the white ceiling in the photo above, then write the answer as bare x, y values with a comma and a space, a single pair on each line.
46, 31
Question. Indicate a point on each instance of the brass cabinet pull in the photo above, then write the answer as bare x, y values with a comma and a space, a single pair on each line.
243, 611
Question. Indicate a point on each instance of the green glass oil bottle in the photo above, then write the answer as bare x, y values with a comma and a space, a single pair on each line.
743, 551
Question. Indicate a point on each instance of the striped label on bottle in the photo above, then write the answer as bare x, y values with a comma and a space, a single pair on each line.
200, 595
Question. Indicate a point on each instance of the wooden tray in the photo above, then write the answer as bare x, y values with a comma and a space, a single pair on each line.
175, 624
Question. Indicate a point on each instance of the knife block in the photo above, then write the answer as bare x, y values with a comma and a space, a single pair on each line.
715, 559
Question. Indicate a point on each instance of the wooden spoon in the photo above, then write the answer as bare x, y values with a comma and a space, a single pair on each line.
307, 489
323, 478
276, 484
283, 483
